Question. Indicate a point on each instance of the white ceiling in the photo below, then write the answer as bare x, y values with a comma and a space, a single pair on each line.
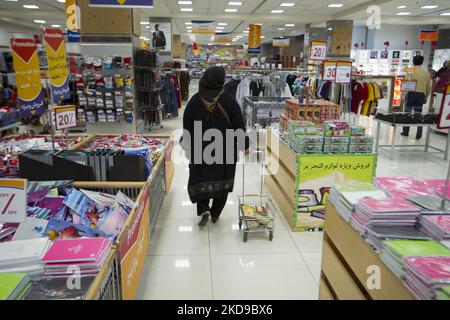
315, 12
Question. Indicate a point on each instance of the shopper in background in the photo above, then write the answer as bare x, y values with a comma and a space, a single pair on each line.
432, 71
443, 76
215, 110
416, 99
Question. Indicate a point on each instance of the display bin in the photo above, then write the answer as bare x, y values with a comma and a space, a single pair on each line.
263, 111
347, 265
316, 111
300, 183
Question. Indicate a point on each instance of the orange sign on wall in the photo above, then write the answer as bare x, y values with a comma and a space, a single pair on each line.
429, 35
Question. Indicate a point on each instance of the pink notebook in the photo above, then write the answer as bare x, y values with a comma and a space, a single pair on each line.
76, 250
438, 185
443, 222
432, 269
388, 205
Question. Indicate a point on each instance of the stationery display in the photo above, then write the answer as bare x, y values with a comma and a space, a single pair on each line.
14, 286
377, 234
52, 288
436, 226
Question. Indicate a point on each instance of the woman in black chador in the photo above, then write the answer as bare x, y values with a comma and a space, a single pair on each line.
212, 109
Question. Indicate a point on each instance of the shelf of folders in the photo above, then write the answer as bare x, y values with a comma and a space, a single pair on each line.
304, 162
117, 273
386, 240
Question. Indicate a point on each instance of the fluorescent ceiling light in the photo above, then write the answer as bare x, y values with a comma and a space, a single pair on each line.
11, 0
430, 7
188, 27
230, 10
39, 21
30, 6
403, 13
281, 29
401, 7
287, 4
277, 11
62, 1
335, 5
245, 31
222, 24
189, 31
186, 9
262, 37
234, 3
184, 2
289, 25
188, 23
145, 22
56, 25
445, 14
220, 28
210, 44
227, 44
147, 27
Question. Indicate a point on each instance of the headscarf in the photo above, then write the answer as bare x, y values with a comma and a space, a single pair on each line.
211, 87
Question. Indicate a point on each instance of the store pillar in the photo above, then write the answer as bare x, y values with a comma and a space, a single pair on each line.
339, 35
311, 34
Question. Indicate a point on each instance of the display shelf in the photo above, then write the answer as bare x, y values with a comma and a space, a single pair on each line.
348, 262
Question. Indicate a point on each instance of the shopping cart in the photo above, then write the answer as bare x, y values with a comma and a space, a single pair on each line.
255, 214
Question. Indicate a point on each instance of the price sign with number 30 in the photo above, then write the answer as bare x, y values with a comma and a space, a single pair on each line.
65, 117
329, 70
318, 50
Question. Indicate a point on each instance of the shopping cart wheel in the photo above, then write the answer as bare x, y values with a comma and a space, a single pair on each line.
240, 223
245, 235
270, 235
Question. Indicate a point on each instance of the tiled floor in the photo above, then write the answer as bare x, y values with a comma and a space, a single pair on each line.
185, 262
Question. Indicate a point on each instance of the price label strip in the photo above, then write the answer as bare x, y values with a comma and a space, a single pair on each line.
65, 117
318, 50
13, 200
329, 70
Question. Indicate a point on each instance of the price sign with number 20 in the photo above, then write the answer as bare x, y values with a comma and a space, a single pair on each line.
318, 50
65, 117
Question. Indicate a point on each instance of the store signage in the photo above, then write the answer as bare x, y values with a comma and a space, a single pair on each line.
254, 39
318, 50
223, 37
65, 117
146, 4
280, 42
13, 200
397, 92
429, 35
408, 86
329, 70
73, 21
55, 50
28, 77
444, 115
196, 49
343, 71
133, 245
203, 27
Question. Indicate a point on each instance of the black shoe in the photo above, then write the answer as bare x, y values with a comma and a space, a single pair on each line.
404, 134
214, 219
204, 220
418, 137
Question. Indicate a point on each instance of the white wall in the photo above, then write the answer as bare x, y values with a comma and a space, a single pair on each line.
397, 35
6, 28
359, 35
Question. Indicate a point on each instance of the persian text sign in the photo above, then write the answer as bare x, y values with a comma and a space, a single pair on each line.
148, 4
28, 77
55, 50
254, 39
13, 200
203, 27
429, 35
73, 21
280, 42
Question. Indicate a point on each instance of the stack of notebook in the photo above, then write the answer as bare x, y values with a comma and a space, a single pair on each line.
14, 286
404, 187
383, 212
346, 196
437, 226
394, 251
377, 234
23, 256
443, 293
425, 276
51, 288
86, 255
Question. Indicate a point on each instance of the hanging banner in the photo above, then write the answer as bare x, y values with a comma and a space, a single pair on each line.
203, 27
318, 50
444, 115
72, 21
329, 70
343, 71
429, 35
146, 4
55, 50
196, 49
28, 77
280, 42
223, 37
254, 39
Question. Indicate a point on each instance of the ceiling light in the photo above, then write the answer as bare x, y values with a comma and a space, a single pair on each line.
445, 14
62, 1
188, 23
147, 27
222, 24
281, 29
430, 7
188, 27
401, 7
210, 44
220, 28
403, 13
56, 25
245, 31
277, 11
30, 6
234, 3
289, 25
189, 31
184, 2
145, 22
12, 0
287, 4
227, 44
39, 21
186, 9
262, 37
230, 10
335, 5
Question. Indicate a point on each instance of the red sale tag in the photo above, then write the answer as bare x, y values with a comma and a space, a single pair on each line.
65, 117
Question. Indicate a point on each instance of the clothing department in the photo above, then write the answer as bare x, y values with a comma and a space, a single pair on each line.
174, 90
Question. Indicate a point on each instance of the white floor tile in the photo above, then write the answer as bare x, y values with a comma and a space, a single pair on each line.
262, 276
179, 237
308, 241
176, 277
313, 260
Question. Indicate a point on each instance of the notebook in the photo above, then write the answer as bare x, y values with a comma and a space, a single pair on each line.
22, 251
417, 247
10, 285
76, 250
30, 229
431, 270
